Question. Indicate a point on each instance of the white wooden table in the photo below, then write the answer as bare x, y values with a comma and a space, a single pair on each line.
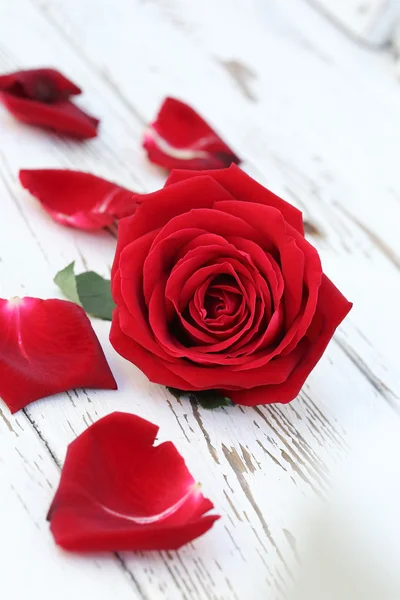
314, 115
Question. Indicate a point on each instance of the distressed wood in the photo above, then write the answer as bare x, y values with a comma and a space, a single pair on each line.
371, 21
294, 98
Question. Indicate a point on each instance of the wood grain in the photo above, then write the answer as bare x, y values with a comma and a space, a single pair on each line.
294, 98
370, 21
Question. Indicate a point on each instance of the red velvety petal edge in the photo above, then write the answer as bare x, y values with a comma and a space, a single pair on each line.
47, 347
243, 187
119, 492
36, 82
62, 116
180, 138
78, 199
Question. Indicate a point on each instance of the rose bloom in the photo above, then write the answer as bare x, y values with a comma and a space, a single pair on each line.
217, 288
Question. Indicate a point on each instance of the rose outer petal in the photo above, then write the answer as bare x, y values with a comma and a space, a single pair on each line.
119, 492
244, 188
78, 199
47, 347
41, 97
47, 84
292, 267
63, 116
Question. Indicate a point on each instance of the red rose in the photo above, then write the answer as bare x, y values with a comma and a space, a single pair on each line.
217, 288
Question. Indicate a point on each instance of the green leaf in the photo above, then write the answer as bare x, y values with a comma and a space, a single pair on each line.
211, 399
208, 399
66, 281
89, 290
176, 393
95, 295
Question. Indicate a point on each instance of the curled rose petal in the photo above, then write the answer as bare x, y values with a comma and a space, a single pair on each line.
42, 97
119, 492
47, 347
246, 189
180, 139
77, 199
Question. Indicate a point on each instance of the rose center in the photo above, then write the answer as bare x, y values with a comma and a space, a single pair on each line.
221, 299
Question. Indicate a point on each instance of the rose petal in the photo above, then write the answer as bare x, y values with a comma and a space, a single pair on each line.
172, 345
274, 230
158, 208
77, 199
132, 317
246, 189
47, 347
265, 263
202, 238
63, 117
163, 257
119, 492
229, 377
41, 97
219, 223
193, 268
292, 265
45, 85
180, 138
128, 295
312, 282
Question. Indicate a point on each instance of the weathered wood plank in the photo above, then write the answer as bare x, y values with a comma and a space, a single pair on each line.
258, 465
371, 21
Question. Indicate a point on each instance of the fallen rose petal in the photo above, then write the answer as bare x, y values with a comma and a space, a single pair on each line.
119, 492
42, 97
246, 189
180, 139
40, 84
77, 199
47, 347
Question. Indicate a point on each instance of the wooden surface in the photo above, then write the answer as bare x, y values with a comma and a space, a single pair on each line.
369, 21
317, 118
